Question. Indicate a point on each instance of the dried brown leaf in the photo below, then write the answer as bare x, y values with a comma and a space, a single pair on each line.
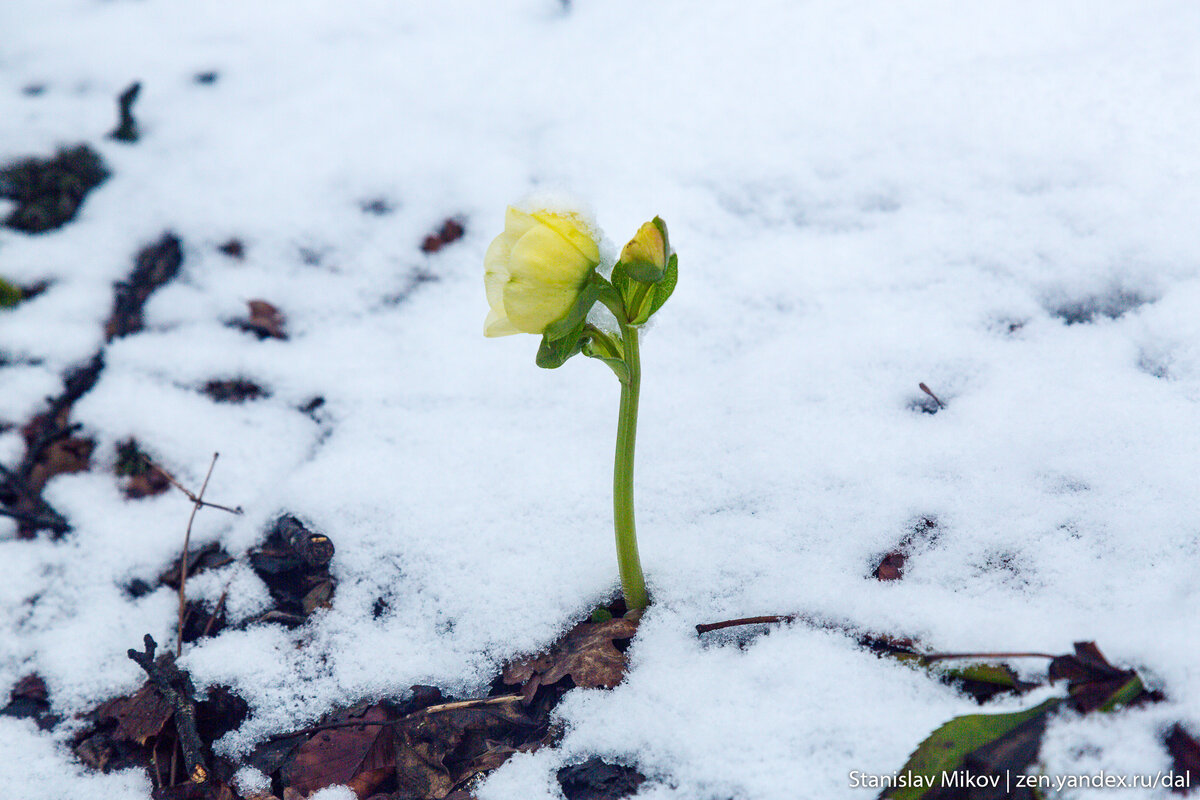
139, 716
437, 752
586, 655
342, 755
265, 320
451, 231
147, 484
1091, 680
1185, 755
72, 454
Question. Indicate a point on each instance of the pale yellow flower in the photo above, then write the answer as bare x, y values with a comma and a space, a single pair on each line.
535, 270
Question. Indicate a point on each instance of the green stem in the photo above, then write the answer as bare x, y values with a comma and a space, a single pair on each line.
633, 583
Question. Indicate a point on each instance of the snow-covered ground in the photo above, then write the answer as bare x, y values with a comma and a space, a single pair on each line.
863, 196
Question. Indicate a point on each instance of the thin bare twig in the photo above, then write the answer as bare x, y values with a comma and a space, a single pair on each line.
176, 688
191, 495
946, 656
197, 503
212, 620
929, 392
731, 623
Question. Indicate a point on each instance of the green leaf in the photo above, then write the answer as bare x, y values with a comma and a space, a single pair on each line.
664, 288
981, 744
587, 298
619, 368
553, 353
644, 271
600, 346
9, 295
996, 674
1125, 695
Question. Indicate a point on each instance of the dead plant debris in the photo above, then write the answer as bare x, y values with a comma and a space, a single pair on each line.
597, 779
49, 192
588, 655
127, 127
234, 248
155, 265
451, 231
265, 321
29, 699
1185, 757
294, 563
234, 390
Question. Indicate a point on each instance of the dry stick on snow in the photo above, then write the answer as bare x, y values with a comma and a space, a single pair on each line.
216, 611
197, 503
992, 656
176, 688
929, 392
732, 623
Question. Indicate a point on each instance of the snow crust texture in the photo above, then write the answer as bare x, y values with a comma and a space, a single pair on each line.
996, 199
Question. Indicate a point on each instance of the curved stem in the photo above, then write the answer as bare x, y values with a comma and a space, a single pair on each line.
633, 582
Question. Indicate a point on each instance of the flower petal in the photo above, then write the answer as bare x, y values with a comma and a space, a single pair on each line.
497, 324
543, 256
531, 306
574, 230
493, 283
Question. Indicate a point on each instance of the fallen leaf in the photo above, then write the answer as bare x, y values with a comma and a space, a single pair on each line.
922, 533
361, 753
891, 567
209, 790
29, 699
220, 712
1185, 757
61, 457
451, 231
1095, 684
139, 716
265, 320
983, 746
149, 483
985, 681
597, 779
586, 655
437, 751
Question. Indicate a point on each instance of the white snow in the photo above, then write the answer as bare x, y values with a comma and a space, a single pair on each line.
863, 197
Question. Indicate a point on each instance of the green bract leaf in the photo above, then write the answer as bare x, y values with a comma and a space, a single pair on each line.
664, 288
553, 353
619, 368
587, 298
978, 746
9, 295
644, 271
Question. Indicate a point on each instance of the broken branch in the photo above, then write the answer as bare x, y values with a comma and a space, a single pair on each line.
175, 686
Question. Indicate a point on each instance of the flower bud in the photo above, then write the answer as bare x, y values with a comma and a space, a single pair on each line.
535, 269
645, 257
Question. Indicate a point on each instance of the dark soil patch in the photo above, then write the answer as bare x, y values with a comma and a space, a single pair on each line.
50, 191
